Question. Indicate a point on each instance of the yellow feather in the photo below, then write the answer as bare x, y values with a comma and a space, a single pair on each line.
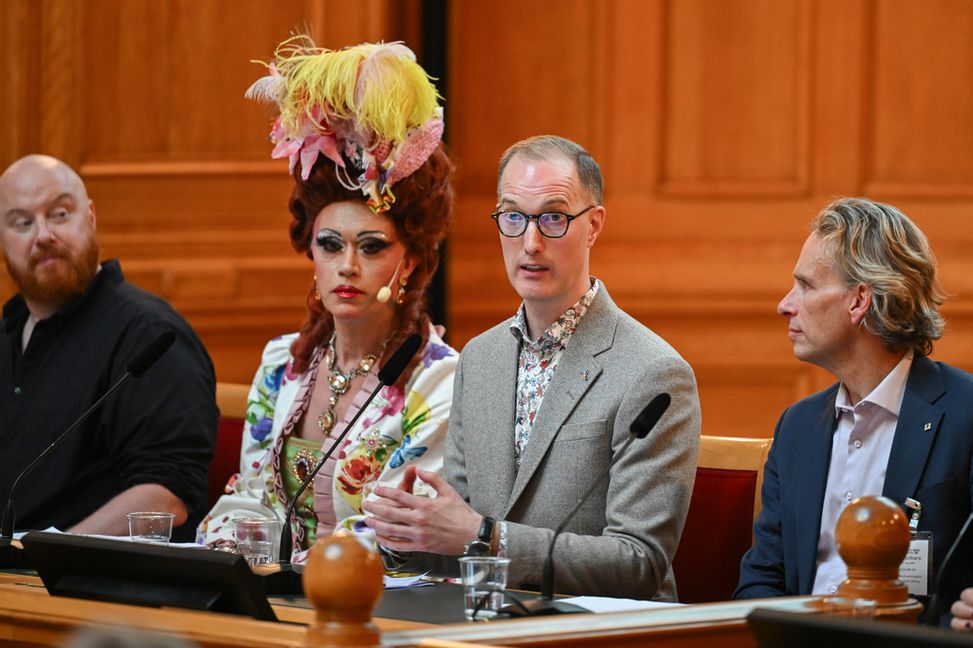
394, 93
379, 88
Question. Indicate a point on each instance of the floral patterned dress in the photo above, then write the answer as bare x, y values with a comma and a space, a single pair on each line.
400, 427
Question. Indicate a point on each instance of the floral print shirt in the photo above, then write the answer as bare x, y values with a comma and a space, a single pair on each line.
400, 427
538, 360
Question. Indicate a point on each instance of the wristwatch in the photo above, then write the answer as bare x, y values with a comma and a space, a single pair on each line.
482, 544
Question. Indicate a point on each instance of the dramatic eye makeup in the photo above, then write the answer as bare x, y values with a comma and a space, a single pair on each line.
368, 242
329, 240
371, 244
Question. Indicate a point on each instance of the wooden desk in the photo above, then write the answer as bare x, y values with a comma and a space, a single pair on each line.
30, 617
690, 626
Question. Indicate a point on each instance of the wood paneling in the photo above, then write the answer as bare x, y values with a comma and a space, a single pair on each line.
17, 36
59, 112
145, 99
735, 110
178, 69
721, 128
920, 110
534, 67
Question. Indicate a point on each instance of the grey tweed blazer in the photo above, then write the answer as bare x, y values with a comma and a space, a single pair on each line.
622, 541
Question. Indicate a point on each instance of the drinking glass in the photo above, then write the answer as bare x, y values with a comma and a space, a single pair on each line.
153, 527
257, 539
484, 582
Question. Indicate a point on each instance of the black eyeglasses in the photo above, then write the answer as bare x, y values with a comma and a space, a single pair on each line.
550, 224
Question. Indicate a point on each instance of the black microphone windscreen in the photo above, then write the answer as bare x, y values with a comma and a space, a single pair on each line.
392, 369
148, 356
650, 415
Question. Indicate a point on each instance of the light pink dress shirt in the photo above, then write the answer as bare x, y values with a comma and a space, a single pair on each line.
859, 456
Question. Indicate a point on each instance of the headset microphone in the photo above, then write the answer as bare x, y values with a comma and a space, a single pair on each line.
385, 292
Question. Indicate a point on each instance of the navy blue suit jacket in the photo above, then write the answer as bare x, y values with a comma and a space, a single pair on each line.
930, 465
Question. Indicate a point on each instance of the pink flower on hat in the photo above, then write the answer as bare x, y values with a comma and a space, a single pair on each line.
325, 144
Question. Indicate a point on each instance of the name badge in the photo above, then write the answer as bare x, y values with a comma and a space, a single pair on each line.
916, 570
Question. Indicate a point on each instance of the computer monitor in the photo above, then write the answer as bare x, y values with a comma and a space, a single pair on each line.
774, 628
145, 574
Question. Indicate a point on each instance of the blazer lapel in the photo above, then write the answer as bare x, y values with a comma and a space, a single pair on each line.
919, 421
576, 371
813, 477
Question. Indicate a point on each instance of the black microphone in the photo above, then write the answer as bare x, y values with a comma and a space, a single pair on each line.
387, 376
135, 368
148, 356
545, 605
932, 612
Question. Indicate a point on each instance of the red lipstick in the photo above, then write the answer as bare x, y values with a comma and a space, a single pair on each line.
347, 292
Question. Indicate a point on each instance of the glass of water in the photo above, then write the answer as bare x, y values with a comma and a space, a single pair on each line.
150, 526
484, 582
257, 539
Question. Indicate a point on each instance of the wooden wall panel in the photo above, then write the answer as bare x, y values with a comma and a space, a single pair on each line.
722, 128
173, 67
17, 18
539, 68
717, 138
59, 111
923, 59
145, 99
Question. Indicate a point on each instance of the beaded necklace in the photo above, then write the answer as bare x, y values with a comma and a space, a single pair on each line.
340, 381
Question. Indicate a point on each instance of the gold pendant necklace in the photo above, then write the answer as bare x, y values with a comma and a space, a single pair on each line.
339, 382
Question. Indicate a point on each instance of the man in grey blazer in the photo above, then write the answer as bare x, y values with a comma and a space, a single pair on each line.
542, 404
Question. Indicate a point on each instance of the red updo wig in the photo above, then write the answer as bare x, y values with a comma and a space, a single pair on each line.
421, 214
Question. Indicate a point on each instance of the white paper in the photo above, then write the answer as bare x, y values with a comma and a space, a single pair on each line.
601, 604
399, 582
20, 534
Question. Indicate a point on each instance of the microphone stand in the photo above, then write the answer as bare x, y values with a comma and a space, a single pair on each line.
9, 514
546, 605
287, 580
933, 611
11, 555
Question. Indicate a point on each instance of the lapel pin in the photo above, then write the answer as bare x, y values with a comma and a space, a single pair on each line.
584, 376
927, 427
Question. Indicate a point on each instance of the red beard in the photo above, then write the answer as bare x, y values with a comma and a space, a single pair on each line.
59, 281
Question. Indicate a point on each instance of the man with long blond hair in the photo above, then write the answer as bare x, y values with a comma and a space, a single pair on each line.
864, 306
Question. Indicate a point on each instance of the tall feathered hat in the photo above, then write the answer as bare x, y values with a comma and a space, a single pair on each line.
370, 108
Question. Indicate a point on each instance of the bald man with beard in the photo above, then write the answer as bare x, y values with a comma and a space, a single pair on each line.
66, 337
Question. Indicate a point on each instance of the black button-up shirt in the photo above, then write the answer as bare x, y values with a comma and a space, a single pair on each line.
159, 428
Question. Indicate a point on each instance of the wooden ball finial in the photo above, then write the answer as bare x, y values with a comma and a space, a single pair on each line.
872, 536
343, 581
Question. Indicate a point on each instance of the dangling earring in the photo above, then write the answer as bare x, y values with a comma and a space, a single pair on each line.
317, 295
400, 297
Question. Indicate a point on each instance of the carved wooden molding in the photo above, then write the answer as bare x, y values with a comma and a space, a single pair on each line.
97, 169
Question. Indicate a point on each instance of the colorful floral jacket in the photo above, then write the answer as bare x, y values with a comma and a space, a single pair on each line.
397, 429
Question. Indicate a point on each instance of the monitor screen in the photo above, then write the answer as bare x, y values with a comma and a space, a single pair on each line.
145, 574
774, 628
